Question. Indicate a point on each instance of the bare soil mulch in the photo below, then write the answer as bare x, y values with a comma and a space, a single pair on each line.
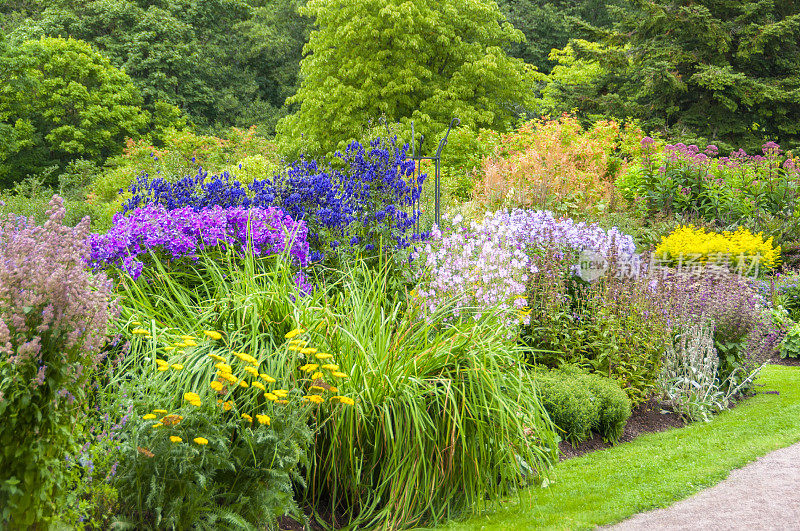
649, 417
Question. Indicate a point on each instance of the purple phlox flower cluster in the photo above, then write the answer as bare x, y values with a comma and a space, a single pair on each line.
366, 194
184, 232
488, 264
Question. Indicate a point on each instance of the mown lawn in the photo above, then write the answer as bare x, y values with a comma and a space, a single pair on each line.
658, 469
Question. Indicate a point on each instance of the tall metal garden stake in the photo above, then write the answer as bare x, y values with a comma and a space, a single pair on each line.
437, 161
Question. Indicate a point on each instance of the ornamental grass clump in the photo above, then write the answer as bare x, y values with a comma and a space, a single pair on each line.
53, 321
231, 449
446, 420
223, 382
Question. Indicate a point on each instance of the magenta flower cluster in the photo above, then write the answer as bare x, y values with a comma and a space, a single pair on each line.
726, 189
488, 264
185, 232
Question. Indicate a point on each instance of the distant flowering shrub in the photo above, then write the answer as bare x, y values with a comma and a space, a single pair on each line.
489, 264
53, 320
557, 165
184, 232
364, 196
740, 250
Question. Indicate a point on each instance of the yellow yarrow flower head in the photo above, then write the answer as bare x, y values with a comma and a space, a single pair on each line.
323, 356
177, 366
175, 439
309, 367
295, 348
317, 388
188, 338
164, 411
140, 331
169, 349
246, 357
149, 416
242, 383
136, 323
163, 368
190, 342
344, 400
216, 357
308, 351
294, 333
181, 344
298, 342
223, 367
231, 378
161, 362
216, 386
263, 419
270, 396
317, 375
314, 398
191, 396
339, 374
227, 406
247, 417
259, 385
267, 378
157, 425
251, 370
330, 367
281, 393
333, 389
212, 334
202, 441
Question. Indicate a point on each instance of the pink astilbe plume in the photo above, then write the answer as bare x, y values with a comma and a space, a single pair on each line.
52, 311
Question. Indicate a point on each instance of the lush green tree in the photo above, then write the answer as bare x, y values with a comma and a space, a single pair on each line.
61, 100
728, 69
550, 24
420, 60
722, 71
586, 79
223, 62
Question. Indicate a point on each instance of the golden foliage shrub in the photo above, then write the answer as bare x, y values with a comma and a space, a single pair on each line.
557, 165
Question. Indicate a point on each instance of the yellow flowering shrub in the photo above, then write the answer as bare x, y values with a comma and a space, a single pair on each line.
740, 250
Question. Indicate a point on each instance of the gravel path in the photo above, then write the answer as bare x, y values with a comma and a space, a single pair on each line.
762, 495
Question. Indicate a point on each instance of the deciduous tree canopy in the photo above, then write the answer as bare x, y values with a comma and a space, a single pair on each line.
405, 59
60, 99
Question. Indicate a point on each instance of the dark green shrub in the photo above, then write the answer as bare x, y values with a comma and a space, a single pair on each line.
579, 403
614, 404
570, 404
